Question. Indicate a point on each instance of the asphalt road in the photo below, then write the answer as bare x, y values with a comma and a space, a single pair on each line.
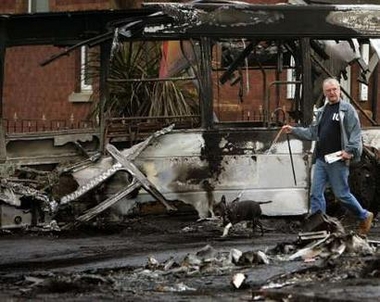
148, 259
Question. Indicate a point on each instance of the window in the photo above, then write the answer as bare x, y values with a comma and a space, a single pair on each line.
38, 6
363, 88
291, 76
85, 78
83, 89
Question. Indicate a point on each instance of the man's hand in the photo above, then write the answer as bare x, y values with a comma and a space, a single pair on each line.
346, 156
287, 129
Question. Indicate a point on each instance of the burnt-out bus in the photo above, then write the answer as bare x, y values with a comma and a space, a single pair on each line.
193, 97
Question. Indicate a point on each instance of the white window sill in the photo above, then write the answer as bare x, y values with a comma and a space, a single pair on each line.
80, 97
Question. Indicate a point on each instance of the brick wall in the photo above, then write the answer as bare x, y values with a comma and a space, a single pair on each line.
13, 6
32, 92
35, 95
21, 6
230, 106
42, 93
75, 5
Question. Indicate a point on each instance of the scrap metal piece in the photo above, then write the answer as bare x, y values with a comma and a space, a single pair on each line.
375, 243
305, 236
168, 264
102, 206
94, 182
52, 226
179, 287
262, 258
153, 263
106, 36
359, 245
13, 217
136, 173
235, 255
129, 154
253, 257
309, 251
238, 280
81, 165
122, 164
9, 197
22, 190
207, 252
322, 222
235, 64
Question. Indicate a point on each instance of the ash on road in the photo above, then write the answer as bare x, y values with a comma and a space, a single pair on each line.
177, 258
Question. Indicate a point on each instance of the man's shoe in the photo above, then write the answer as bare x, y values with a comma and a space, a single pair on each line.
365, 225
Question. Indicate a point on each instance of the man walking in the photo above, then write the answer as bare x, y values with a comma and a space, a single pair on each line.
338, 134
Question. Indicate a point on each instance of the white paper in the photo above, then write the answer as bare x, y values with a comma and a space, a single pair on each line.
333, 157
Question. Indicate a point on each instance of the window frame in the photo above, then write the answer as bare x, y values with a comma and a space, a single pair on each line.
84, 53
33, 6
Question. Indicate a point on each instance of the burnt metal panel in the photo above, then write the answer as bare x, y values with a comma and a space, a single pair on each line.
49, 147
196, 20
269, 21
205, 85
64, 28
198, 167
307, 83
342, 1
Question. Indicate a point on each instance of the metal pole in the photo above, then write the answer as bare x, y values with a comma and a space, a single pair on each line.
375, 87
105, 49
206, 90
291, 160
307, 86
3, 152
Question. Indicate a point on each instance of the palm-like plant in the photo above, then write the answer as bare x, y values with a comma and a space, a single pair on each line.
131, 93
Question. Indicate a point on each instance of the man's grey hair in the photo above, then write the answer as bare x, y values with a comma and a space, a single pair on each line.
332, 81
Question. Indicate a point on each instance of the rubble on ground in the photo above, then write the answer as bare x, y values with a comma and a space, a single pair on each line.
269, 273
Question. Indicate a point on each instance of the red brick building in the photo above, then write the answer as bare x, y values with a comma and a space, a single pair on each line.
51, 96
55, 96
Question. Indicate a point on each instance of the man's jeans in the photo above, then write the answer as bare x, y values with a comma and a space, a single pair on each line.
336, 174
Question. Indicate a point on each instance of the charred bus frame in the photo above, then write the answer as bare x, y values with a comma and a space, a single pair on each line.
296, 27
